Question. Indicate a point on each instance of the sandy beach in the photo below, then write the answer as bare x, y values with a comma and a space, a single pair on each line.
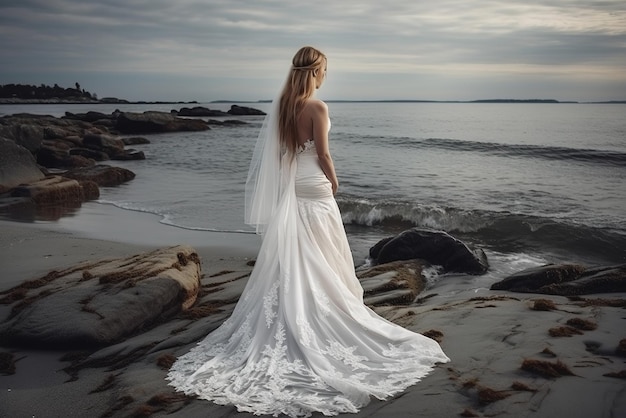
488, 335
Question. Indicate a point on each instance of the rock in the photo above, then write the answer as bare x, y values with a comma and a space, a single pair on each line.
436, 247
199, 111
53, 156
90, 116
98, 303
135, 140
566, 280
17, 165
54, 190
244, 111
152, 122
107, 143
29, 136
395, 283
102, 175
129, 154
90, 153
229, 122
19, 208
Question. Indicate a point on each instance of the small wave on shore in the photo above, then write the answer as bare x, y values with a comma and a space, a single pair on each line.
503, 230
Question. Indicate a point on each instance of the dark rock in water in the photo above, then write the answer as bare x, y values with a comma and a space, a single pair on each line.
102, 175
534, 278
152, 122
90, 116
101, 302
199, 111
566, 280
17, 165
436, 247
228, 122
244, 111
129, 154
135, 140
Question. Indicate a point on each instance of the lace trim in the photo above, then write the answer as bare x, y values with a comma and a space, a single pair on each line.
269, 302
308, 144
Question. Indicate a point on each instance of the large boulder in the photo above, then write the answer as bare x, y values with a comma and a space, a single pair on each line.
102, 175
99, 303
53, 190
566, 280
17, 165
436, 247
154, 122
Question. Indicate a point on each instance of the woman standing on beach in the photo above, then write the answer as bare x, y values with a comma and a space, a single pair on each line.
300, 339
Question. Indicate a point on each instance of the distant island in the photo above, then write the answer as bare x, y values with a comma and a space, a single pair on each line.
44, 94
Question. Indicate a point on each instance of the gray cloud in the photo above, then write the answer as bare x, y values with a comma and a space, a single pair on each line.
232, 48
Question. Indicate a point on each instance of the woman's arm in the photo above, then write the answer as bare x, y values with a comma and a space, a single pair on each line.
320, 136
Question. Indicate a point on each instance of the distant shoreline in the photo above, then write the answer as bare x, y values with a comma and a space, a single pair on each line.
7, 101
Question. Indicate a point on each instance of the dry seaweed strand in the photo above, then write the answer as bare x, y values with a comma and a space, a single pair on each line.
467, 412
613, 303
164, 399
543, 305
118, 405
143, 411
583, 324
107, 384
166, 361
522, 387
546, 368
433, 334
620, 375
548, 352
564, 331
487, 395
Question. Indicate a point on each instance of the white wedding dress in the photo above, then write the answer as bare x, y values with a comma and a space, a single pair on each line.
300, 339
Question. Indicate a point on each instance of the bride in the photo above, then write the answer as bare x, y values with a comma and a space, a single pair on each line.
300, 339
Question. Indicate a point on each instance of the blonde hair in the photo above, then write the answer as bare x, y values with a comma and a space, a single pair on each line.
300, 86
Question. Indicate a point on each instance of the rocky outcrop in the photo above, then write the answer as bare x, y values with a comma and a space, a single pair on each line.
17, 165
566, 280
395, 283
155, 122
245, 111
435, 247
53, 190
99, 303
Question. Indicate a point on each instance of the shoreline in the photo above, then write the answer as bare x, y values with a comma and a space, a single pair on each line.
487, 334
29, 249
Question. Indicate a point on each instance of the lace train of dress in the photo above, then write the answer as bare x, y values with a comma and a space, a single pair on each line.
300, 339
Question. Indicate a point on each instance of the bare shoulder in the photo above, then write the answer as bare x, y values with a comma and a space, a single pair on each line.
316, 107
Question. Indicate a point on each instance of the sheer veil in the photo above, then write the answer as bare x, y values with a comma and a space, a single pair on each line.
263, 186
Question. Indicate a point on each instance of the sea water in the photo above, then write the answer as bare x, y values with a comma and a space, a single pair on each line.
529, 183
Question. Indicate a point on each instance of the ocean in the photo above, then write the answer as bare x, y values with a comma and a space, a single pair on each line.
530, 183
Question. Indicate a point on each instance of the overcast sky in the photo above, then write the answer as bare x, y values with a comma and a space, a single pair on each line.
391, 49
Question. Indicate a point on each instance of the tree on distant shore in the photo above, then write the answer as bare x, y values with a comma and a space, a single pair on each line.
26, 91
